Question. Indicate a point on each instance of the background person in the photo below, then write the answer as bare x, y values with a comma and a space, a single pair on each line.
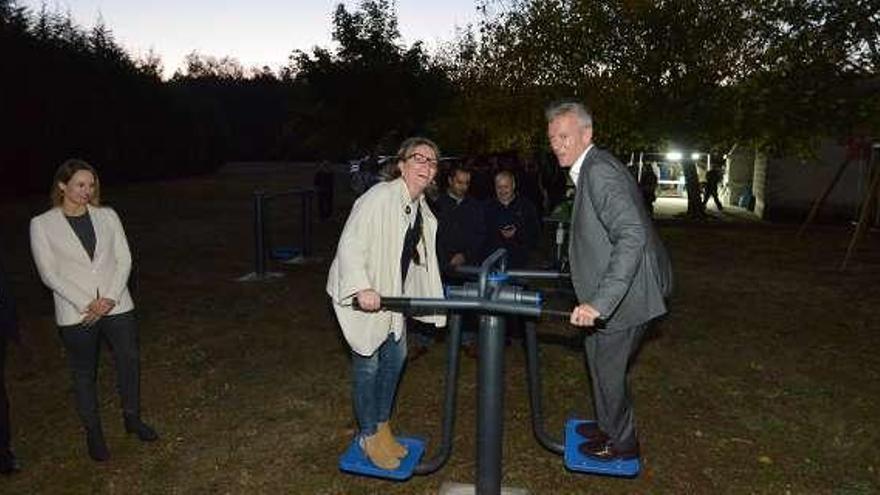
511, 222
82, 255
386, 247
713, 179
620, 272
648, 185
324, 182
460, 236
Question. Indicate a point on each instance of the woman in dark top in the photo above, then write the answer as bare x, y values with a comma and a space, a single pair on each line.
82, 255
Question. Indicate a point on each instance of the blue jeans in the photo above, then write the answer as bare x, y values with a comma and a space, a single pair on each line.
374, 383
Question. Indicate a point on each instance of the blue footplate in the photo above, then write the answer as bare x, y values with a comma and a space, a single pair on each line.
354, 461
576, 461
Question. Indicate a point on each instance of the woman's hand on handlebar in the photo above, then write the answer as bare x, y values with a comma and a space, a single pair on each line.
369, 300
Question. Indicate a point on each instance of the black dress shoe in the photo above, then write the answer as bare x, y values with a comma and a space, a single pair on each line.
590, 431
144, 432
97, 446
607, 452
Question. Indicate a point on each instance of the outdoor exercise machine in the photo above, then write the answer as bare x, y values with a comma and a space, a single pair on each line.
494, 298
289, 254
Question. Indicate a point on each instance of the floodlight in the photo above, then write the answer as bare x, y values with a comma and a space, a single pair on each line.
673, 156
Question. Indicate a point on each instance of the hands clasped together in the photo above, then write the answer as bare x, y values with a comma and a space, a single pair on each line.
97, 309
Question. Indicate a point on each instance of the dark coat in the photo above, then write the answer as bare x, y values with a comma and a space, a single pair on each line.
520, 213
461, 229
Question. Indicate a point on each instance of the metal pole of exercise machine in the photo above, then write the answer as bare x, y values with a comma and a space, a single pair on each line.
452, 359
490, 388
532, 363
488, 465
306, 196
259, 239
534, 383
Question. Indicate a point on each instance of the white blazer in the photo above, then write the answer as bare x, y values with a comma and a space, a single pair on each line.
368, 257
65, 266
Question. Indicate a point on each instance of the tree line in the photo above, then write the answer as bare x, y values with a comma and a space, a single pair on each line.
778, 74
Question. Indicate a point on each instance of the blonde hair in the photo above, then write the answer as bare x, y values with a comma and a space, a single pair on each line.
392, 171
63, 175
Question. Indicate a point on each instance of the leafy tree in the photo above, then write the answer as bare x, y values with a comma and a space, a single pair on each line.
72, 92
368, 94
699, 72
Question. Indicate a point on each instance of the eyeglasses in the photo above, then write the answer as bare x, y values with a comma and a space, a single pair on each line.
422, 159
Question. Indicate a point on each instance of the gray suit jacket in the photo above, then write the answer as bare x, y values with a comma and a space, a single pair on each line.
618, 264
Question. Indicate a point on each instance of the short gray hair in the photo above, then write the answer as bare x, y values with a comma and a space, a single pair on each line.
576, 108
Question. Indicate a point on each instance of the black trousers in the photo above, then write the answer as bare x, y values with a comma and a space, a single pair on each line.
4, 399
83, 344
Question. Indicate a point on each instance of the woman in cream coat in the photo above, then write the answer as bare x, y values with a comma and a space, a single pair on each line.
82, 255
387, 247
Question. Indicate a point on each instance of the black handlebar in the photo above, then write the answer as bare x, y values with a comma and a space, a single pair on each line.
494, 307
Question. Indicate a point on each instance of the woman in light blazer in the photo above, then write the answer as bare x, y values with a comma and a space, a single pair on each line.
386, 249
82, 255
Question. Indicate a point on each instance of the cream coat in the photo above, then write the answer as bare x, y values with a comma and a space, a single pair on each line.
368, 257
65, 266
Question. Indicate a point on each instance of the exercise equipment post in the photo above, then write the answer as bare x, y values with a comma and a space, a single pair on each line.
259, 236
261, 202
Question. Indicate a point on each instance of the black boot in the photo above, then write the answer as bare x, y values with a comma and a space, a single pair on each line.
144, 432
97, 446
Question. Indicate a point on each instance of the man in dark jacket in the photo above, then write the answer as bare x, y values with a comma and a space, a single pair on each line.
460, 230
460, 235
511, 222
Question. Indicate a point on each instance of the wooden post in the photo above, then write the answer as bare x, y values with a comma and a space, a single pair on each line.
822, 197
862, 227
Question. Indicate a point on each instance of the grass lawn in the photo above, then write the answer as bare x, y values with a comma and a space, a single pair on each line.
764, 378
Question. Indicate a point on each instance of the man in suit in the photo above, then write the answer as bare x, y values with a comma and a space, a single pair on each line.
620, 272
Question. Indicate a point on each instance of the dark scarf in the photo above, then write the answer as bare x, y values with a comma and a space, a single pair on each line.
410, 241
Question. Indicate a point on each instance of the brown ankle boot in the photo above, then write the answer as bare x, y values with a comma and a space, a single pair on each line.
391, 445
372, 447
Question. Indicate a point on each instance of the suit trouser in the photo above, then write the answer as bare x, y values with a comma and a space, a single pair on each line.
608, 357
83, 344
